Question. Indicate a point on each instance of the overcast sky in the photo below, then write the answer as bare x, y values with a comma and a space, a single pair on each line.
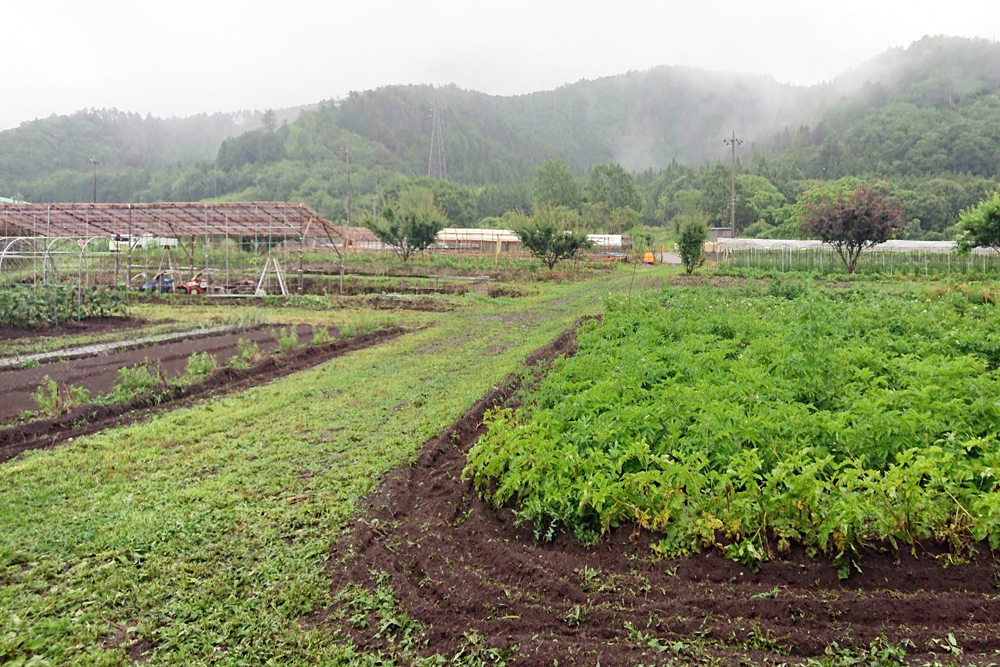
186, 56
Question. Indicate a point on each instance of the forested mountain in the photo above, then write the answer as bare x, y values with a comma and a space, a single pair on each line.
48, 159
924, 119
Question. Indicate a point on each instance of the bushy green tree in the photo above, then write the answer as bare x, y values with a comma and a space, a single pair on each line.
545, 235
410, 224
610, 187
555, 185
980, 225
691, 243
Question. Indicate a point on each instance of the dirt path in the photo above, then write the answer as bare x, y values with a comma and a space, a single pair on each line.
97, 373
88, 419
459, 565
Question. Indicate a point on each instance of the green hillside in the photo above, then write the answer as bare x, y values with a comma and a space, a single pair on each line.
924, 119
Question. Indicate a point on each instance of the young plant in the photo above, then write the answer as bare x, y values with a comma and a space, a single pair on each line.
199, 366
247, 354
135, 381
320, 336
54, 400
287, 339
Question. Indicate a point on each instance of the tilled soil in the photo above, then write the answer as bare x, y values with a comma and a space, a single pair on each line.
97, 373
88, 419
462, 568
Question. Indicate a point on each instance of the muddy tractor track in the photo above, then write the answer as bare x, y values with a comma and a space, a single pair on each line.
88, 419
459, 565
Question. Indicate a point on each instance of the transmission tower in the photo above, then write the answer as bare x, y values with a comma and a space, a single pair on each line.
733, 142
437, 167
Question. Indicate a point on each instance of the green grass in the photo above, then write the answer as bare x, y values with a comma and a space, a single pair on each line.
207, 528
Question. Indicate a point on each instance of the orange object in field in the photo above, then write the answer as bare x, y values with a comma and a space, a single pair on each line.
648, 258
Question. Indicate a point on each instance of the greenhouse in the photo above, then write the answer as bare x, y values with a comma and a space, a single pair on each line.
220, 248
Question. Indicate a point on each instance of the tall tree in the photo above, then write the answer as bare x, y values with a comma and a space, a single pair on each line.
555, 186
610, 187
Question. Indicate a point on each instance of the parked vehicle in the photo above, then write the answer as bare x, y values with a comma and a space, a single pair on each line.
160, 283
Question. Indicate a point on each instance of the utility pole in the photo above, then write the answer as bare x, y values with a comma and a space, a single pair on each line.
732, 142
93, 163
347, 157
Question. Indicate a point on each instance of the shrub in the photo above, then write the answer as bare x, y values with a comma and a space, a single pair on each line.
691, 243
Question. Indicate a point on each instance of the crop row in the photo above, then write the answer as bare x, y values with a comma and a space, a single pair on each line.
756, 418
39, 306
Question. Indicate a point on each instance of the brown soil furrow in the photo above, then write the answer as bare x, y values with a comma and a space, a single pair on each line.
89, 419
457, 565
97, 372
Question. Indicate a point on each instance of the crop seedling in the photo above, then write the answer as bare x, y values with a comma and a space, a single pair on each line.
135, 381
247, 354
53, 400
199, 366
287, 339
320, 335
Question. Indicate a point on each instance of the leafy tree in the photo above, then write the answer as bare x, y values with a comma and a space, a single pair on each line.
545, 236
408, 225
555, 186
853, 221
758, 199
610, 187
622, 219
691, 243
980, 225
493, 201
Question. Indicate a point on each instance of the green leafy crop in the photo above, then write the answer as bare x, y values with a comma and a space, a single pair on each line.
754, 418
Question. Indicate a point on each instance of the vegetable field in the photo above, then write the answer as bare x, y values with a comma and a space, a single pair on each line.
49, 305
761, 417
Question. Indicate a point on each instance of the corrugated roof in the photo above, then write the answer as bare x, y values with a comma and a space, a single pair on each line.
176, 220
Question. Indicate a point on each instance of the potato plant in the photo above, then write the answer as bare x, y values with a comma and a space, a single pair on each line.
41, 306
759, 417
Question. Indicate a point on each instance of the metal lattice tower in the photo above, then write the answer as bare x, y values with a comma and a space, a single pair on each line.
437, 166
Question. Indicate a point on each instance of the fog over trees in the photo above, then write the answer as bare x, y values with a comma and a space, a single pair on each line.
923, 121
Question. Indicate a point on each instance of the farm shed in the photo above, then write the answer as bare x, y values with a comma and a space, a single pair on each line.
228, 245
477, 240
610, 245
